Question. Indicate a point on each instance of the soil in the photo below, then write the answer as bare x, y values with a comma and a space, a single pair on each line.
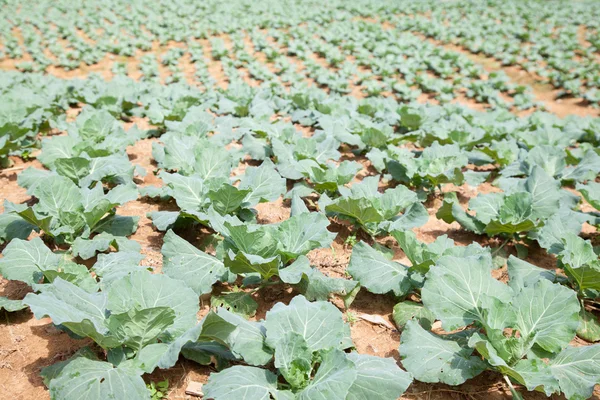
27, 344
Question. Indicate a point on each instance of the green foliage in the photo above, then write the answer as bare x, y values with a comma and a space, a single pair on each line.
158, 390
436, 165
375, 212
231, 159
65, 212
542, 318
524, 207
306, 340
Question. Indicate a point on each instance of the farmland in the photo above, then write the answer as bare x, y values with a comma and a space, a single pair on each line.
300, 199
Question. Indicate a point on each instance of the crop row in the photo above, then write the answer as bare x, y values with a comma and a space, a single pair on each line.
289, 143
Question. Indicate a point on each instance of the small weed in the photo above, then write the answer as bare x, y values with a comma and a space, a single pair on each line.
158, 390
351, 240
351, 317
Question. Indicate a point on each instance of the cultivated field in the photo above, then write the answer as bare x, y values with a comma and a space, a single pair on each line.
281, 200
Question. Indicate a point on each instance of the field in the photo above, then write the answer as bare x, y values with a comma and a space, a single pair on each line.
299, 199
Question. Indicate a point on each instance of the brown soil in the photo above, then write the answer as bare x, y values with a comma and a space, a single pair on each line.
27, 344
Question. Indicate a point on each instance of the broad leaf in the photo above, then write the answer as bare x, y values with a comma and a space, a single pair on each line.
164, 355
189, 191
589, 326
227, 198
240, 303
136, 329
315, 285
12, 225
97, 380
27, 260
456, 288
359, 209
376, 273
319, 323
264, 182
577, 370
11, 305
58, 195
522, 273
377, 378
293, 359
547, 314
544, 193
141, 290
301, 233
591, 192
429, 358
532, 373
335, 376
248, 339
408, 310
68, 305
241, 383
183, 261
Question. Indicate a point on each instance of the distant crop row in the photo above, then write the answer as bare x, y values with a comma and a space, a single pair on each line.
359, 52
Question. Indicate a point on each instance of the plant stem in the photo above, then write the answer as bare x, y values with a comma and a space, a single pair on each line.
500, 248
516, 395
263, 285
